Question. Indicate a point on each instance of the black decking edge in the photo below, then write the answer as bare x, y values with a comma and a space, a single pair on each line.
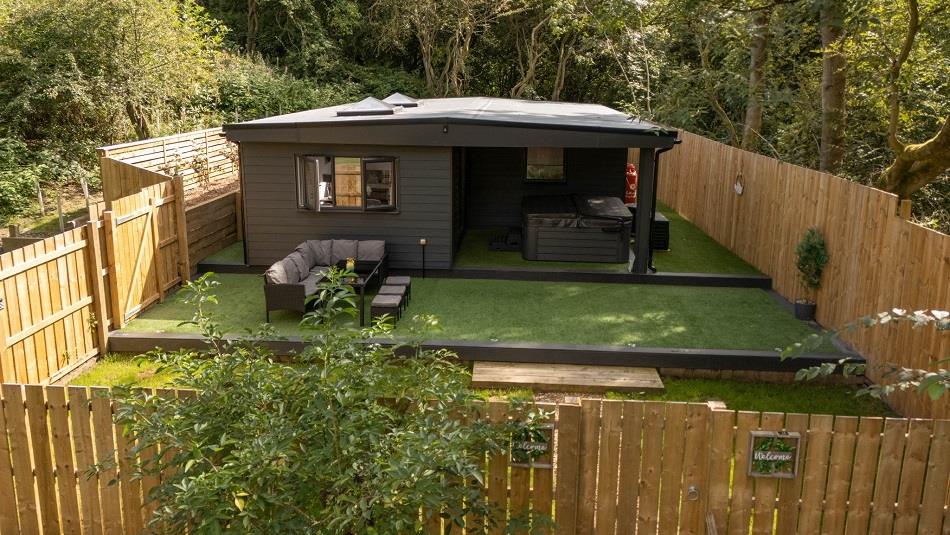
704, 359
719, 280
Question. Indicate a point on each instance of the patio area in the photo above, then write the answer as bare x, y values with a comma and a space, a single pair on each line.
523, 311
691, 251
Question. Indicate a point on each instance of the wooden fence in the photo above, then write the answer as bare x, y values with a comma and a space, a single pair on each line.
878, 260
213, 225
618, 467
61, 296
200, 157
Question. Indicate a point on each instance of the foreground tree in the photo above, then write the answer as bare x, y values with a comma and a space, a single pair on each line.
352, 438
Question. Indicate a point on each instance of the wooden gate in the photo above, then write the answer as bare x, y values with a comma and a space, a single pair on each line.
146, 247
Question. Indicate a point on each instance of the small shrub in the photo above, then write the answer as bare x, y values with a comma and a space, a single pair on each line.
811, 258
352, 438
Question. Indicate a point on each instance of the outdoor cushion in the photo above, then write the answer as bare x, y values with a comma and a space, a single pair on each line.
303, 267
321, 252
320, 271
342, 249
371, 250
282, 272
309, 256
310, 283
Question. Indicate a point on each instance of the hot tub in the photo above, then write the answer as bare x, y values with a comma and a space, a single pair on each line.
576, 228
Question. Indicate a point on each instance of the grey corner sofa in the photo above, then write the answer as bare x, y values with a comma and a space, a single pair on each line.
289, 281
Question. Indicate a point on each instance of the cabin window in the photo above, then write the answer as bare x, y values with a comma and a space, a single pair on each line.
545, 164
346, 183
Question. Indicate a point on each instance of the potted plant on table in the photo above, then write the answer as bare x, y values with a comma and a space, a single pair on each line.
811, 258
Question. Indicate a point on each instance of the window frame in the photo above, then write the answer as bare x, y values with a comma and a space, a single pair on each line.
561, 180
301, 162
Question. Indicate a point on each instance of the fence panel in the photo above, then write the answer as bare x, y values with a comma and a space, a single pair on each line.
53, 318
878, 260
200, 157
662, 466
213, 225
144, 248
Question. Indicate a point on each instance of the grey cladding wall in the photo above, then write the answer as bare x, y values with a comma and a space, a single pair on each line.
496, 183
274, 226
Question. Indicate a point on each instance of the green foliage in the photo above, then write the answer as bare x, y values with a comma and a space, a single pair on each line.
933, 383
811, 257
352, 438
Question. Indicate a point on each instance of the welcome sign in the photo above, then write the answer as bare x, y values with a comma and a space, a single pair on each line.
773, 454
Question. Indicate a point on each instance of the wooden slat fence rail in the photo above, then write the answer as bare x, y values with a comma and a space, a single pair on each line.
618, 467
878, 260
198, 157
213, 225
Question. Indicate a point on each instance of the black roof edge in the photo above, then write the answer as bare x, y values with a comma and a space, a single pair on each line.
391, 121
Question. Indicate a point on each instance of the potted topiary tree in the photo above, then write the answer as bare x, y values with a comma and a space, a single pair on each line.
811, 258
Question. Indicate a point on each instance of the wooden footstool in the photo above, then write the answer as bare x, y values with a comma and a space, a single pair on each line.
401, 291
385, 304
401, 281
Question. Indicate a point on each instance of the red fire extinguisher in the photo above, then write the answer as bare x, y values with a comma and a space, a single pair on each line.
630, 196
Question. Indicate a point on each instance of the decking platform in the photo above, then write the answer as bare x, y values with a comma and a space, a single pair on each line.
565, 377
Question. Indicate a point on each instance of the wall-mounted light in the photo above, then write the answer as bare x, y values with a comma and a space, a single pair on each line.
445, 129
738, 186
422, 243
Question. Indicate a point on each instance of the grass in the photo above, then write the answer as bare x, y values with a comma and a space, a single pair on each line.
691, 251
809, 398
570, 313
737, 395
117, 369
232, 254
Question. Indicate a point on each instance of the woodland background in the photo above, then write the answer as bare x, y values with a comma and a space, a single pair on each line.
860, 88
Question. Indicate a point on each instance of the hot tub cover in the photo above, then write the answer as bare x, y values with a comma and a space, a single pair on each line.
575, 211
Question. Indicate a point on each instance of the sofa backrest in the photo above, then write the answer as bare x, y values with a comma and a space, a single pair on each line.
322, 253
370, 250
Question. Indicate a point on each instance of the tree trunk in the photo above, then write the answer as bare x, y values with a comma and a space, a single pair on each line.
253, 25
565, 51
137, 116
752, 129
915, 166
831, 26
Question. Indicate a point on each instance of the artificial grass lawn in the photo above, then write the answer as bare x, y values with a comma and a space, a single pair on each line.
508, 311
691, 251
232, 254
737, 395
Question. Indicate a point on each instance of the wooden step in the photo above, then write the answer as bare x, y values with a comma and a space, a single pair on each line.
565, 377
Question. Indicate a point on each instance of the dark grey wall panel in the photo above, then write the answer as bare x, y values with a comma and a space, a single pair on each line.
274, 226
496, 183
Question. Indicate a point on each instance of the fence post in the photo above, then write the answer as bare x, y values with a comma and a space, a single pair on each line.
98, 290
184, 263
157, 250
118, 310
904, 208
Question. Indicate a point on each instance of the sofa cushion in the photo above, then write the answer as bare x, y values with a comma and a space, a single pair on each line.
371, 250
310, 283
321, 252
341, 250
303, 268
320, 271
308, 255
283, 271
